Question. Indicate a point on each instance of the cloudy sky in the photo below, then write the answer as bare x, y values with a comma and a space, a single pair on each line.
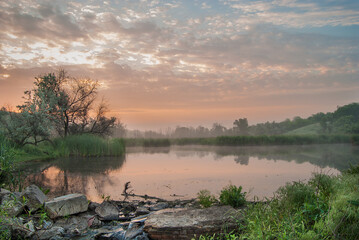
168, 63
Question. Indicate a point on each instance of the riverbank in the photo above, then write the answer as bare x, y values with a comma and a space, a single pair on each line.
265, 140
324, 208
75, 145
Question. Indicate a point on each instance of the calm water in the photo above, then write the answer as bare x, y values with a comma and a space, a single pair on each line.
181, 171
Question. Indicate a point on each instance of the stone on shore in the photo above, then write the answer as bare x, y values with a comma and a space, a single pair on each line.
66, 205
12, 204
159, 206
3, 192
107, 211
185, 223
51, 233
35, 198
140, 211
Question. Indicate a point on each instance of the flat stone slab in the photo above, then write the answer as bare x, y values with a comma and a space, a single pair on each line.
185, 223
66, 205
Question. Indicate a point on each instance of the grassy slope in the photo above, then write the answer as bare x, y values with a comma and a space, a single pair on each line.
311, 129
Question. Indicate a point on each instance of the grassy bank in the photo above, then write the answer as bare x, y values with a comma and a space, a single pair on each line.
76, 145
282, 140
327, 207
246, 140
88, 145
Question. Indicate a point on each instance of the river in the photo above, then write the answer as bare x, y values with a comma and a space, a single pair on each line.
182, 171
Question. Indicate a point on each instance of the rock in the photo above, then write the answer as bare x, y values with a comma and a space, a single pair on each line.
159, 206
73, 224
20, 231
30, 225
128, 208
133, 230
66, 205
113, 233
185, 223
3, 193
142, 237
12, 204
34, 196
50, 233
47, 224
141, 211
93, 206
107, 211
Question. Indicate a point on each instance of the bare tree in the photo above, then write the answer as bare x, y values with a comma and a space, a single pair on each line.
62, 103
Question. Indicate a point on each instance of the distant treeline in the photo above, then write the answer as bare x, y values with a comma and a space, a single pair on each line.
345, 120
245, 140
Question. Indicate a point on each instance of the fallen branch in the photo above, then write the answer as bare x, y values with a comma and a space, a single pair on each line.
144, 196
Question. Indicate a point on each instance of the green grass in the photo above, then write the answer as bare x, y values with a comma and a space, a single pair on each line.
327, 207
205, 198
311, 129
75, 145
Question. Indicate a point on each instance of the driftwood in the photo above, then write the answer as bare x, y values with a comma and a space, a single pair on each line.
143, 196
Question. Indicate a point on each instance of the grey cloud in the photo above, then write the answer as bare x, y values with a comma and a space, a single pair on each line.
46, 22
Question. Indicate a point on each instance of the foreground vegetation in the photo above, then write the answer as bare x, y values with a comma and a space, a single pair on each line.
327, 207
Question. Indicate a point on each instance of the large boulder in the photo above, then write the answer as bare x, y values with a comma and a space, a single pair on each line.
35, 198
66, 205
185, 223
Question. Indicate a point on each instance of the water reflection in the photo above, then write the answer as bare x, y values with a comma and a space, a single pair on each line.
75, 174
184, 170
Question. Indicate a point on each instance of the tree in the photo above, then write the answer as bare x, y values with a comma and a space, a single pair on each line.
31, 125
218, 130
69, 102
58, 103
241, 126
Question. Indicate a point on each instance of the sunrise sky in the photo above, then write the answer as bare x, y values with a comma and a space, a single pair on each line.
168, 63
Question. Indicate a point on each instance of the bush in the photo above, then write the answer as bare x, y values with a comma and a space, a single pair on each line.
233, 196
206, 199
8, 177
294, 195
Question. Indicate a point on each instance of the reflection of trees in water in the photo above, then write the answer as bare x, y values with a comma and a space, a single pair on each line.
150, 150
243, 160
336, 156
89, 165
70, 175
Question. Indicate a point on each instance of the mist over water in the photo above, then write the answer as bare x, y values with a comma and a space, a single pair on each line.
181, 171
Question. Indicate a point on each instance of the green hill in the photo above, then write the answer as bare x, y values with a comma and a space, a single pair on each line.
311, 129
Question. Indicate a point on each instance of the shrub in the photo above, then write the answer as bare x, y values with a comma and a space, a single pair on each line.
9, 178
352, 169
293, 195
233, 196
206, 199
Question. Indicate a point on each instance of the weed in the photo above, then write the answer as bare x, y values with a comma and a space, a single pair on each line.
233, 196
206, 199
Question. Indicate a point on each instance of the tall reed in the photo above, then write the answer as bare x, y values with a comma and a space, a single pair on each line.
88, 145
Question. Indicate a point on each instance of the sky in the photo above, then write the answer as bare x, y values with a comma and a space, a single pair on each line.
189, 63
